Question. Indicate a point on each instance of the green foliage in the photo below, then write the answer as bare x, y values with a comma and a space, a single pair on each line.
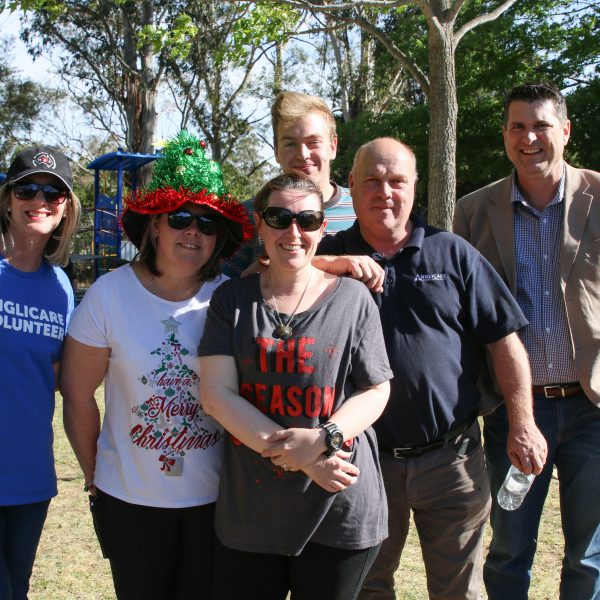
263, 22
555, 40
583, 149
176, 36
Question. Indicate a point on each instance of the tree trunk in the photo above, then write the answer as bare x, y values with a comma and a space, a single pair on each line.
443, 113
278, 69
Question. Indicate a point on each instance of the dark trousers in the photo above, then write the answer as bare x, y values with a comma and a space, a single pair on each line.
20, 531
447, 492
156, 553
318, 573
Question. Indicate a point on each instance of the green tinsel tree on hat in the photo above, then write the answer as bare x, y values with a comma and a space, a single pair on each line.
184, 165
183, 175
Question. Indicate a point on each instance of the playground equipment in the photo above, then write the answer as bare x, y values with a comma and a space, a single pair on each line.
109, 251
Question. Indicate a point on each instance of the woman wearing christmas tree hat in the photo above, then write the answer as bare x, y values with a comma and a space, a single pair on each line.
152, 470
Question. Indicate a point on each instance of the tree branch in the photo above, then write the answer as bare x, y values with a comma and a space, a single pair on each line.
481, 19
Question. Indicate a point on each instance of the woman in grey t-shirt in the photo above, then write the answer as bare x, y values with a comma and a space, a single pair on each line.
294, 367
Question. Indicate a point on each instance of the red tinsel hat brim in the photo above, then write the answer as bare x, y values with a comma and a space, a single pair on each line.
164, 200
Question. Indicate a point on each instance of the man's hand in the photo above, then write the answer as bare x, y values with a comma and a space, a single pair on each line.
258, 266
527, 448
363, 268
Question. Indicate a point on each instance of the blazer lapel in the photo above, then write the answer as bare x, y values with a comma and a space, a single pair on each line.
577, 207
501, 215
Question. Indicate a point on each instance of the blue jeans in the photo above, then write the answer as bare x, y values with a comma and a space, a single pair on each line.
20, 531
571, 427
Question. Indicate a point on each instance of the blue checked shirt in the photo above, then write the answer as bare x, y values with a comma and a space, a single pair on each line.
547, 338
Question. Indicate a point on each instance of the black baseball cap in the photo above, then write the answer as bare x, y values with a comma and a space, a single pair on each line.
42, 159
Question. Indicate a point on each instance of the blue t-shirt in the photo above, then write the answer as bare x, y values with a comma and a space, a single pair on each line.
339, 213
442, 302
34, 312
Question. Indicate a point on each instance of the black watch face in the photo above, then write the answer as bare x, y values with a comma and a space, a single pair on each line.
336, 440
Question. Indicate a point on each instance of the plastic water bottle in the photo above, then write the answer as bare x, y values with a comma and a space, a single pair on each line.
514, 488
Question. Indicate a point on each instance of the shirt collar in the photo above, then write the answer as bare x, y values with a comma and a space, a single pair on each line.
518, 198
360, 245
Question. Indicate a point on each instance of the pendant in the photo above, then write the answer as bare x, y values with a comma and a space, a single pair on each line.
283, 332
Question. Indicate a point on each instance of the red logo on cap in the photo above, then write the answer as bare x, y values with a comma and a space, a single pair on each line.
43, 159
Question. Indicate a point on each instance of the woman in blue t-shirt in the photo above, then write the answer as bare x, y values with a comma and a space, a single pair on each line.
38, 217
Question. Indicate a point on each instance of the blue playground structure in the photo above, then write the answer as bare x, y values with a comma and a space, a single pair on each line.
2, 178
109, 251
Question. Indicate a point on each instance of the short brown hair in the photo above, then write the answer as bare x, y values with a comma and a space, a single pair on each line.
291, 106
530, 92
287, 181
58, 247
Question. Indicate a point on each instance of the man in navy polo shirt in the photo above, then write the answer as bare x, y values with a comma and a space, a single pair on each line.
442, 304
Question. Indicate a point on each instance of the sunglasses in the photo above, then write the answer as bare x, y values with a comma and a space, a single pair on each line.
281, 218
182, 219
28, 191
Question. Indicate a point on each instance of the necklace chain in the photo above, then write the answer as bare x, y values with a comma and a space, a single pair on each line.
284, 330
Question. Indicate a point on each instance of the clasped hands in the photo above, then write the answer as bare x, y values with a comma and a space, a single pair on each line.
298, 449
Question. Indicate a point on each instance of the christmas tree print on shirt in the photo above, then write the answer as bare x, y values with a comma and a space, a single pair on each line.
171, 418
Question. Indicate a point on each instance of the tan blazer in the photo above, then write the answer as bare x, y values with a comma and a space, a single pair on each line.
485, 218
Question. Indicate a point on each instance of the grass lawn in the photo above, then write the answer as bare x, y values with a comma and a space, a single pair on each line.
69, 565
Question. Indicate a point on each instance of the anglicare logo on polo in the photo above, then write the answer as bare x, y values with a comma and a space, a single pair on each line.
431, 277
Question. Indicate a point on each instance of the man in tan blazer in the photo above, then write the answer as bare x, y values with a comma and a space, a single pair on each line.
540, 229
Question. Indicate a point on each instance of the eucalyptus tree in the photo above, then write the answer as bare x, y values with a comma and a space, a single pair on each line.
112, 54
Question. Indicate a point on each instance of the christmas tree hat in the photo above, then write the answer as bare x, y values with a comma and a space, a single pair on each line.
185, 175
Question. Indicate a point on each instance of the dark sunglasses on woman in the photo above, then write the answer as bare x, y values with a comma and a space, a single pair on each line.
28, 191
182, 219
281, 218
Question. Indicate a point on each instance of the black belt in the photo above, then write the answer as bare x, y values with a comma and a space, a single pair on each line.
558, 390
449, 436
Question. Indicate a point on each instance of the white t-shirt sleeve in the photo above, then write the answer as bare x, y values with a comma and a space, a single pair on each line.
88, 324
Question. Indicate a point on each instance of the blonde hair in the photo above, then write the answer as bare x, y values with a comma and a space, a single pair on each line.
291, 106
58, 247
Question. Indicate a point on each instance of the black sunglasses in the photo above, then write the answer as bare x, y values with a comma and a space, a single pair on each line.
281, 218
28, 191
182, 219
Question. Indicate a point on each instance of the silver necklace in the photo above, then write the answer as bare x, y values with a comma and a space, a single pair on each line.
284, 330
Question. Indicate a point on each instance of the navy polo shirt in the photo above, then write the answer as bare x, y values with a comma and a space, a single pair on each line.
442, 302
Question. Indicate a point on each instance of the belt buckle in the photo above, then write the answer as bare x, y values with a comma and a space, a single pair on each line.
548, 388
398, 452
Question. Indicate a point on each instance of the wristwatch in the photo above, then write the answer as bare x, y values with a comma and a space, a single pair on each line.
334, 438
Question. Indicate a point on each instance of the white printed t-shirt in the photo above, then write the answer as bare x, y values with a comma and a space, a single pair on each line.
156, 447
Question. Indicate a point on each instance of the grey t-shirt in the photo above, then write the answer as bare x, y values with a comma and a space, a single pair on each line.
337, 348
